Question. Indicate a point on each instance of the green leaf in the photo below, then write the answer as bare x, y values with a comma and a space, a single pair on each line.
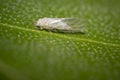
27, 53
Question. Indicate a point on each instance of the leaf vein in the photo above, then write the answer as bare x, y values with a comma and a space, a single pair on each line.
82, 39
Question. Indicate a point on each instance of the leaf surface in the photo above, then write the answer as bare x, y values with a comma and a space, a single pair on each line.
27, 53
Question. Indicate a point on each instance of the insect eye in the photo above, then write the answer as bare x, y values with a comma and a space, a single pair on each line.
40, 27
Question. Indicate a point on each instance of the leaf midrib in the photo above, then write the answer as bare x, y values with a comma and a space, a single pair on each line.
82, 39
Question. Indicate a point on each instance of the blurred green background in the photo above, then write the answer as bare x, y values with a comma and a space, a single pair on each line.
27, 53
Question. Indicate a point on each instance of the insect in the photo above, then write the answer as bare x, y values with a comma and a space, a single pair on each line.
66, 25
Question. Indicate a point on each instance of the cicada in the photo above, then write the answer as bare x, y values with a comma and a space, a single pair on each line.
66, 25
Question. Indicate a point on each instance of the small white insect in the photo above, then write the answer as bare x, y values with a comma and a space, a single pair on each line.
67, 25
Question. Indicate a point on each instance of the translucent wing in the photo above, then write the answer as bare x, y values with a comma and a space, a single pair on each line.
75, 24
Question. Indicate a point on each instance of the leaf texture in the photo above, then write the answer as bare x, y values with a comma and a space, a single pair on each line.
27, 53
